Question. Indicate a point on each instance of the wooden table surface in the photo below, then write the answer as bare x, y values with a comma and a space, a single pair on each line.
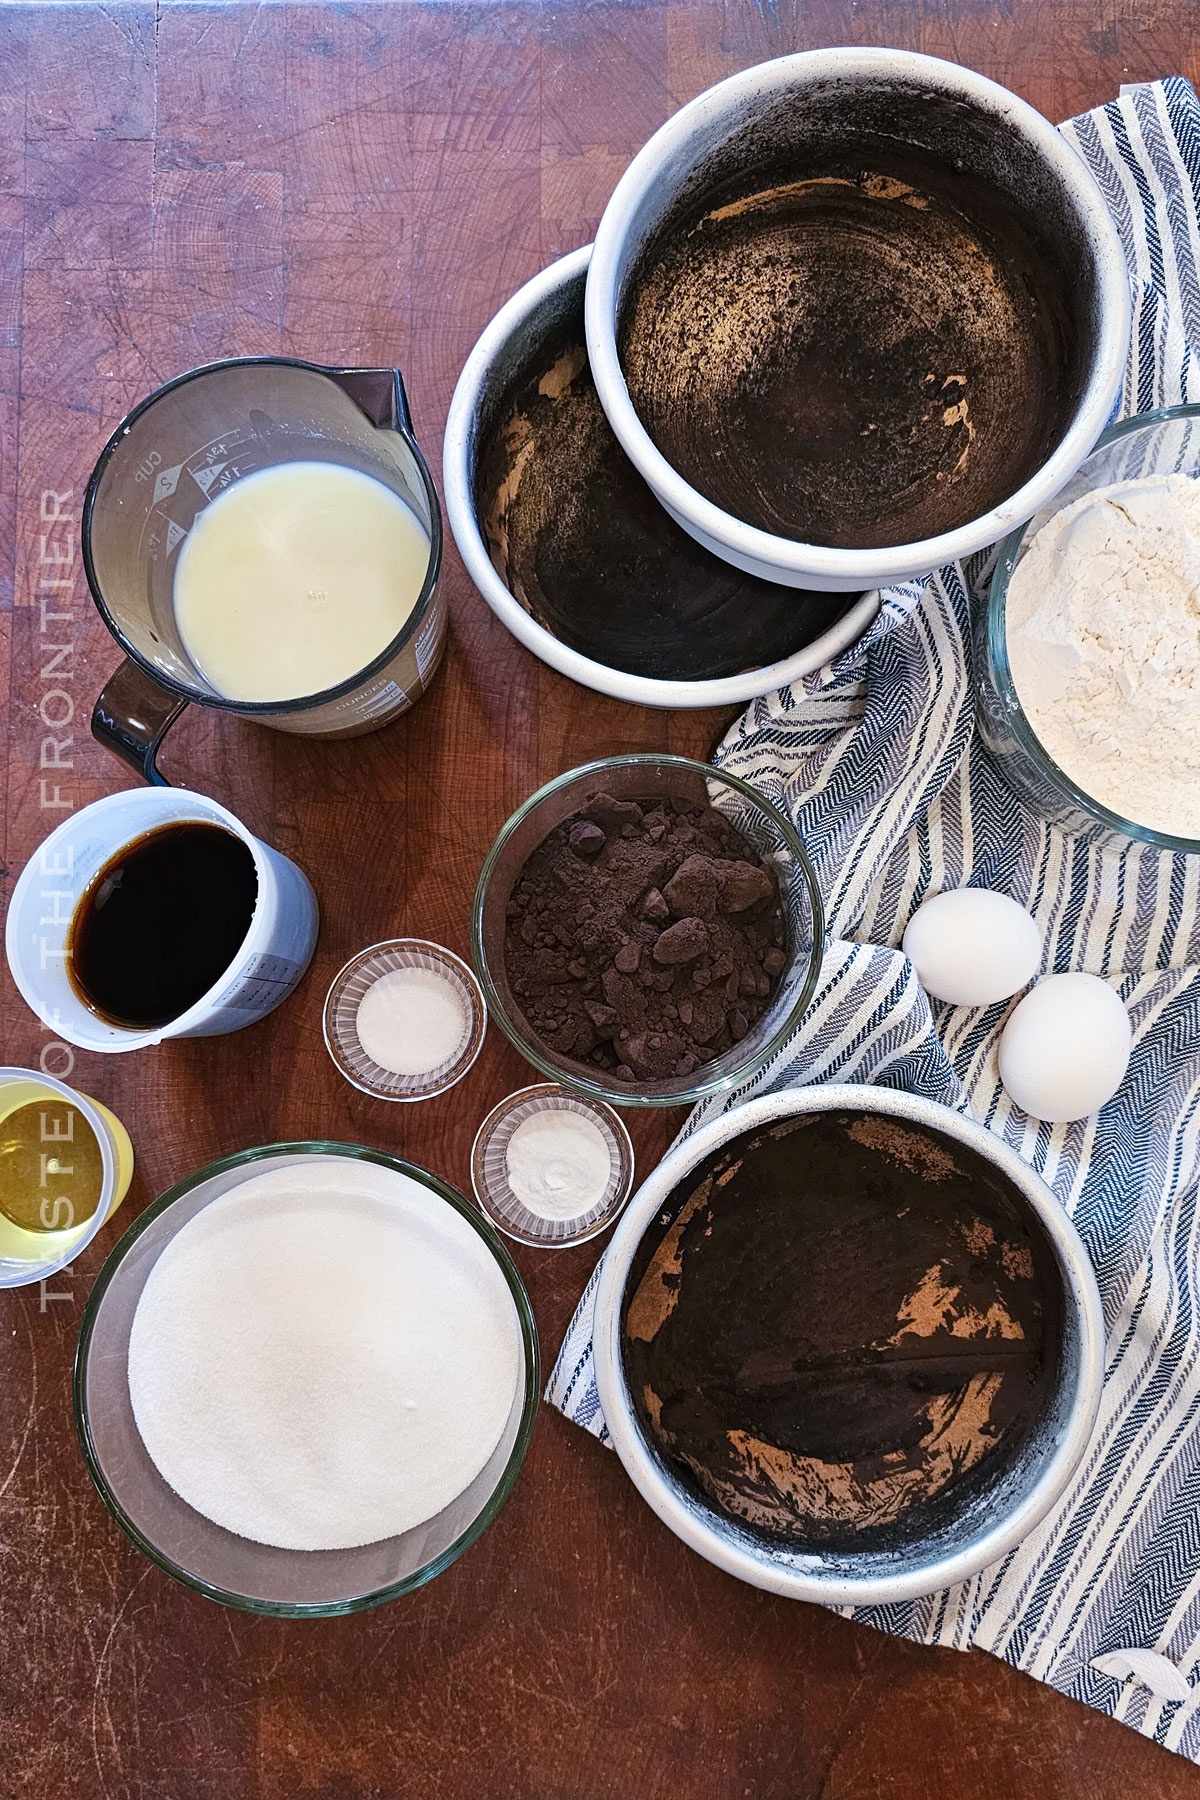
366, 184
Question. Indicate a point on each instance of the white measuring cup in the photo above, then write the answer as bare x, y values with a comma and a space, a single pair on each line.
276, 951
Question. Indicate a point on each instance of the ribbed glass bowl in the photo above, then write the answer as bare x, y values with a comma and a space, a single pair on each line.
641, 777
355, 979
490, 1176
205, 1557
1166, 442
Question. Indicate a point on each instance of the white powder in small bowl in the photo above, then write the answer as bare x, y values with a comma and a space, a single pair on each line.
324, 1357
559, 1164
412, 1021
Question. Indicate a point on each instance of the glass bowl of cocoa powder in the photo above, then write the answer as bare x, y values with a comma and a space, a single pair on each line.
648, 930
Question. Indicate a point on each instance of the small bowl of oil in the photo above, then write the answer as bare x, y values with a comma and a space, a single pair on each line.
65, 1167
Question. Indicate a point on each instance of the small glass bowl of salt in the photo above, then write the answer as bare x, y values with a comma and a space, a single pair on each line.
405, 1019
551, 1168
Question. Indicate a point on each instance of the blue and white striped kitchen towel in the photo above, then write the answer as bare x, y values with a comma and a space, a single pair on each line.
875, 760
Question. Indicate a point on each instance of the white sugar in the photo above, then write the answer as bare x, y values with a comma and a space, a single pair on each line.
324, 1357
412, 1021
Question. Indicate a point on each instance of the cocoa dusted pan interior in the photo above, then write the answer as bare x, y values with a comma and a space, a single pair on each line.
842, 1330
580, 541
868, 335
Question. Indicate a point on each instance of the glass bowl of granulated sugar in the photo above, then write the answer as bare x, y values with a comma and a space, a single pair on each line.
306, 1379
1088, 652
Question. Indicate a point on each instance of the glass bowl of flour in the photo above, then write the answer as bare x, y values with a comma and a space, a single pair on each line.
1088, 652
306, 1379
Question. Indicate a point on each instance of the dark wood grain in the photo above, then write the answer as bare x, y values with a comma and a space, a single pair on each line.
367, 183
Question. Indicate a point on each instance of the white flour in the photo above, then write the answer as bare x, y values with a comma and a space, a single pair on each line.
323, 1357
1104, 643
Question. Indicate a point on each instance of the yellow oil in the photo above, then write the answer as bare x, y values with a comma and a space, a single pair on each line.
51, 1176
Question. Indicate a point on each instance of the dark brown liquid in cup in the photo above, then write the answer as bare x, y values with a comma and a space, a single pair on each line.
161, 923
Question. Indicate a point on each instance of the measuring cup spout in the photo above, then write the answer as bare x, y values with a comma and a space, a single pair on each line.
379, 393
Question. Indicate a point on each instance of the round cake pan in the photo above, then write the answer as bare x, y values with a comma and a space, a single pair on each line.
951, 343
986, 1528
761, 636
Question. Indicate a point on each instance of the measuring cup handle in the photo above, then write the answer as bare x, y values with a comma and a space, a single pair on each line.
132, 717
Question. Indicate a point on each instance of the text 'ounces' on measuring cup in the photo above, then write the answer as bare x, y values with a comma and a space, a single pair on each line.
65, 1166
182, 450
263, 970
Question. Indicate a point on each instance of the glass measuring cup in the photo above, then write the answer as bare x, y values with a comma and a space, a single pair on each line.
171, 457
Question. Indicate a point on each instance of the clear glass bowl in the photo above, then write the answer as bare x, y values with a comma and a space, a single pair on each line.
640, 777
205, 1557
1166, 442
346, 993
489, 1168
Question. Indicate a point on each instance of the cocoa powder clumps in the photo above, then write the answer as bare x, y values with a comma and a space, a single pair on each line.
644, 940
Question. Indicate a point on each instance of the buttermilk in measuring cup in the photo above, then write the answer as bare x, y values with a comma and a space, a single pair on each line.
295, 578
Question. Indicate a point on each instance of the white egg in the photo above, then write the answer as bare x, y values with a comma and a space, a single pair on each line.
972, 946
1065, 1048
